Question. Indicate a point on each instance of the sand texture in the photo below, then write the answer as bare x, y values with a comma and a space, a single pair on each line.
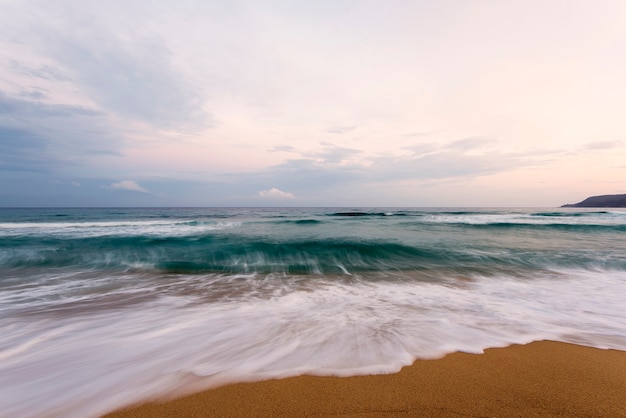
544, 378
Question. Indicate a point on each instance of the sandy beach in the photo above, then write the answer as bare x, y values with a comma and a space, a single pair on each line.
543, 378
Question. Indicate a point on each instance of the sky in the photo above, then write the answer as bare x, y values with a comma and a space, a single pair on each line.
322, 103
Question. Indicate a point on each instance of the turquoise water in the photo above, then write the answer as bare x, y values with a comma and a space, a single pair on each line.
103, 307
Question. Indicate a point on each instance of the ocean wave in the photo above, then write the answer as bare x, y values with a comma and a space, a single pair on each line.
149, 300
143, 348
210, 253
574, 227
112, 228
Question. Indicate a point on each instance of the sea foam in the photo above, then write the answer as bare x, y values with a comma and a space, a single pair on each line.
86, 362
111, 307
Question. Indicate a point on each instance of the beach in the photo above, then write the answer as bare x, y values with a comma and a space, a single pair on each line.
106, 308
544, 378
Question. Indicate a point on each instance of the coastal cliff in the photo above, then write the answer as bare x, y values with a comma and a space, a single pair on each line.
604, 201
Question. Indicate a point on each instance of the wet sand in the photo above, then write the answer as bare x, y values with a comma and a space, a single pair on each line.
543, 378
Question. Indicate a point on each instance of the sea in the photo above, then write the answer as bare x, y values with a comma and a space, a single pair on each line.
102, 308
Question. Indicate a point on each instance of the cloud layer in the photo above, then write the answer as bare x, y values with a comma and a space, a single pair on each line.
252, 103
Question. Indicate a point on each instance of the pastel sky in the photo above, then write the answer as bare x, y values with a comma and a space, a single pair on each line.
316, 103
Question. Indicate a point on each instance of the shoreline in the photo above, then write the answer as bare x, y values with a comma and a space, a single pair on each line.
543, 378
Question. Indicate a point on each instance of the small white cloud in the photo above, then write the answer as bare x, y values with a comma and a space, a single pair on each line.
75, 183
130, 185
276, 193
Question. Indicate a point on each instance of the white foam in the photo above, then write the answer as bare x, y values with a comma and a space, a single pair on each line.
85, 364
121, 228
591, 218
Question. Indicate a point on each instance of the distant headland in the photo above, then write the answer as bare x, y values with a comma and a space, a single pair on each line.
604, 201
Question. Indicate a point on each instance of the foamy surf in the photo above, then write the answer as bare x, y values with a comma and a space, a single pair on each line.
91, 323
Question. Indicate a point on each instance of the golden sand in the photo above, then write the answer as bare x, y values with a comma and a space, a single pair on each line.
544, 378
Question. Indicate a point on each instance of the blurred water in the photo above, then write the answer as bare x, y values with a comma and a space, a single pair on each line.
104, 307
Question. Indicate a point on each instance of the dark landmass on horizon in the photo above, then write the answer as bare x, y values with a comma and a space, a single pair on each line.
604, 201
